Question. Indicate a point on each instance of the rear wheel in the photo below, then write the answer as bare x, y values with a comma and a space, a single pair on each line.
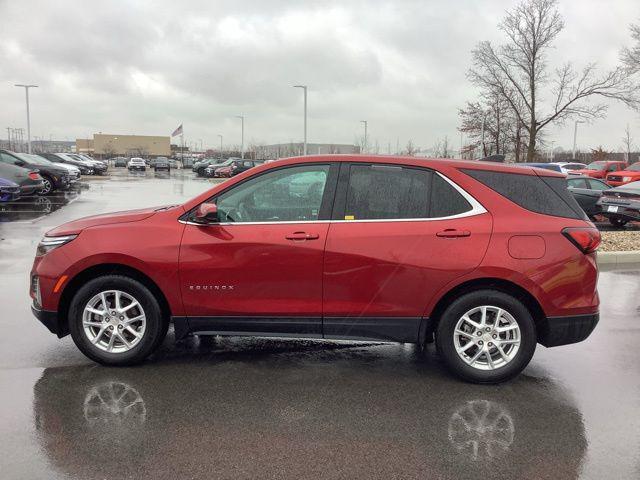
115, 320
617, 222
47, 186
486, 336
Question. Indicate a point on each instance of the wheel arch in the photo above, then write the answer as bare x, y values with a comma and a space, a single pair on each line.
99, 270
429, 326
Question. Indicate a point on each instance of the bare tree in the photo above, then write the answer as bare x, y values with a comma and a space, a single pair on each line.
631, 56
410, 149
599, 154
518, 71
442, 149
627, 143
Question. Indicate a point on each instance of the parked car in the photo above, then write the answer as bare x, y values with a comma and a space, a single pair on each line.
355, 247
200, 166
54, 177
230, 167
9, 191
73, 171
64, 158
569, 167
587, 191
29, 181
99, 168
161, 163
120, 162
137, 163
622, 177
547, 166
621, 205
601, 168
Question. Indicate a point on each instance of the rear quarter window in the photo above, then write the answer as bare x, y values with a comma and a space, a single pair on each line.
539, 194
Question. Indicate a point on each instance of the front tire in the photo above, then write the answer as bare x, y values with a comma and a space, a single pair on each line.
486, 336
115, 320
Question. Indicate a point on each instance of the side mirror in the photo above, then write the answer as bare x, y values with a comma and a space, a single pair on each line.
207, 213
19, 163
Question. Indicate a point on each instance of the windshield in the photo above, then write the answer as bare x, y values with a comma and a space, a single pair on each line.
635, 167
226, 163
597, 166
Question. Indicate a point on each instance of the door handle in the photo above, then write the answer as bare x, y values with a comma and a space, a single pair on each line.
453, 233
302, 236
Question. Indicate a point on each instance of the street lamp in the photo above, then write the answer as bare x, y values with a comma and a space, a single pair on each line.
575, 134
304, 88
366, 123
26, 92
241, 117
220, 146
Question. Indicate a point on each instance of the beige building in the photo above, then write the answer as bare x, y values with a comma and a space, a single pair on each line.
106, 146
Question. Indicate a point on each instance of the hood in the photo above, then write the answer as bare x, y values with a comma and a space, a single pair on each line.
626, 173
76, 226
585, 171
7, 183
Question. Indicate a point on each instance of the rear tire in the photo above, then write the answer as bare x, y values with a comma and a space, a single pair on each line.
618, 222
499, 349
133, 341
48, 186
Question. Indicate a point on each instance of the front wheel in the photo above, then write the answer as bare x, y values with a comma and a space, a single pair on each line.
116, 320
617, 222
486, 336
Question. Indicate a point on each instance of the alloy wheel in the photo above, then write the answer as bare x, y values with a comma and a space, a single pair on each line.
46, 186
114, 321
487, 337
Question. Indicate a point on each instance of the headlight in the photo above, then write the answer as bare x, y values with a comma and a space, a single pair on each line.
51, 243
626, 179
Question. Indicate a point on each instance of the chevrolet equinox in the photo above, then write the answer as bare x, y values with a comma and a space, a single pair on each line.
485, 259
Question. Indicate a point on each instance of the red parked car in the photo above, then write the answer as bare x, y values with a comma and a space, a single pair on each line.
486, 259
601, 169
628, 175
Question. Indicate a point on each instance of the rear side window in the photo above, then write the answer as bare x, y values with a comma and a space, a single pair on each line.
546, 195
387, 192
446, 201
596, 185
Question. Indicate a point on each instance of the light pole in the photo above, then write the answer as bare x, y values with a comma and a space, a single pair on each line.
365, 123
304, 88
575, 135
201, 144
26, 92
220, 146
241, 117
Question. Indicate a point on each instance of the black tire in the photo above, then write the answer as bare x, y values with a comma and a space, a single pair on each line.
48, 187
460, 306
155, 330
618, 222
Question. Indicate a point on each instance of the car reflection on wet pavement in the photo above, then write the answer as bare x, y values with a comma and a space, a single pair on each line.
216, 407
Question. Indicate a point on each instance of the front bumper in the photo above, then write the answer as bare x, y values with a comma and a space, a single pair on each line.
50, 320
556, 331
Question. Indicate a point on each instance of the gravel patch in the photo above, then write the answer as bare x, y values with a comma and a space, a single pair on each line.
620, 241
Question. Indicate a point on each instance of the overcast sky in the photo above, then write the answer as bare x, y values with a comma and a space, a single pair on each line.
144, 67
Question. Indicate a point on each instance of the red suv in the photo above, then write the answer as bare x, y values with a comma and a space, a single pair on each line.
486, 259
622, 177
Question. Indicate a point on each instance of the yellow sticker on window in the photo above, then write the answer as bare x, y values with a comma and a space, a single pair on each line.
349, 217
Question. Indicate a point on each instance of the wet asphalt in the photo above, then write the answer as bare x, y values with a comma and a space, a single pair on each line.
262, 408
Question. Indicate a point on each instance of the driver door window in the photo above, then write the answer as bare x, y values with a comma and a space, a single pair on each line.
287, 195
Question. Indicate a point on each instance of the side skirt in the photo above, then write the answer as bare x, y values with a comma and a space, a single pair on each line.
388, 329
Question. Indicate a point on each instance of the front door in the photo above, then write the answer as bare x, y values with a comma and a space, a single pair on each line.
399, 235
259, 269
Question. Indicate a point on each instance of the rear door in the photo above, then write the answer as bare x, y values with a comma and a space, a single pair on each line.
397, 237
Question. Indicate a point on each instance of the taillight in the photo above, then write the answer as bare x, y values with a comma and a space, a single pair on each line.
34, 176
587, 239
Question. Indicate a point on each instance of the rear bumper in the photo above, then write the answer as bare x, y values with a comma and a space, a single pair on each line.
50, 320
556, 331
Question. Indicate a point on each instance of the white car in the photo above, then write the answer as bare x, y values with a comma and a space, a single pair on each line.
137, 163
568, 167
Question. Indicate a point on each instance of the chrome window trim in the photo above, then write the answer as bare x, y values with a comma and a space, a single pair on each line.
476, 209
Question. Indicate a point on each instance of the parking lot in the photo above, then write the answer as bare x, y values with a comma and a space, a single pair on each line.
269, 408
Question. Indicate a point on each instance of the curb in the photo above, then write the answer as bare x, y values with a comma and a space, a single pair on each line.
618, 258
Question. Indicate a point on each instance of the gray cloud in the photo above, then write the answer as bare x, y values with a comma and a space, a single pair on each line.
144, 67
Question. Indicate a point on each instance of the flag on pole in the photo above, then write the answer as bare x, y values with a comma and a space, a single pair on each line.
177, 131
